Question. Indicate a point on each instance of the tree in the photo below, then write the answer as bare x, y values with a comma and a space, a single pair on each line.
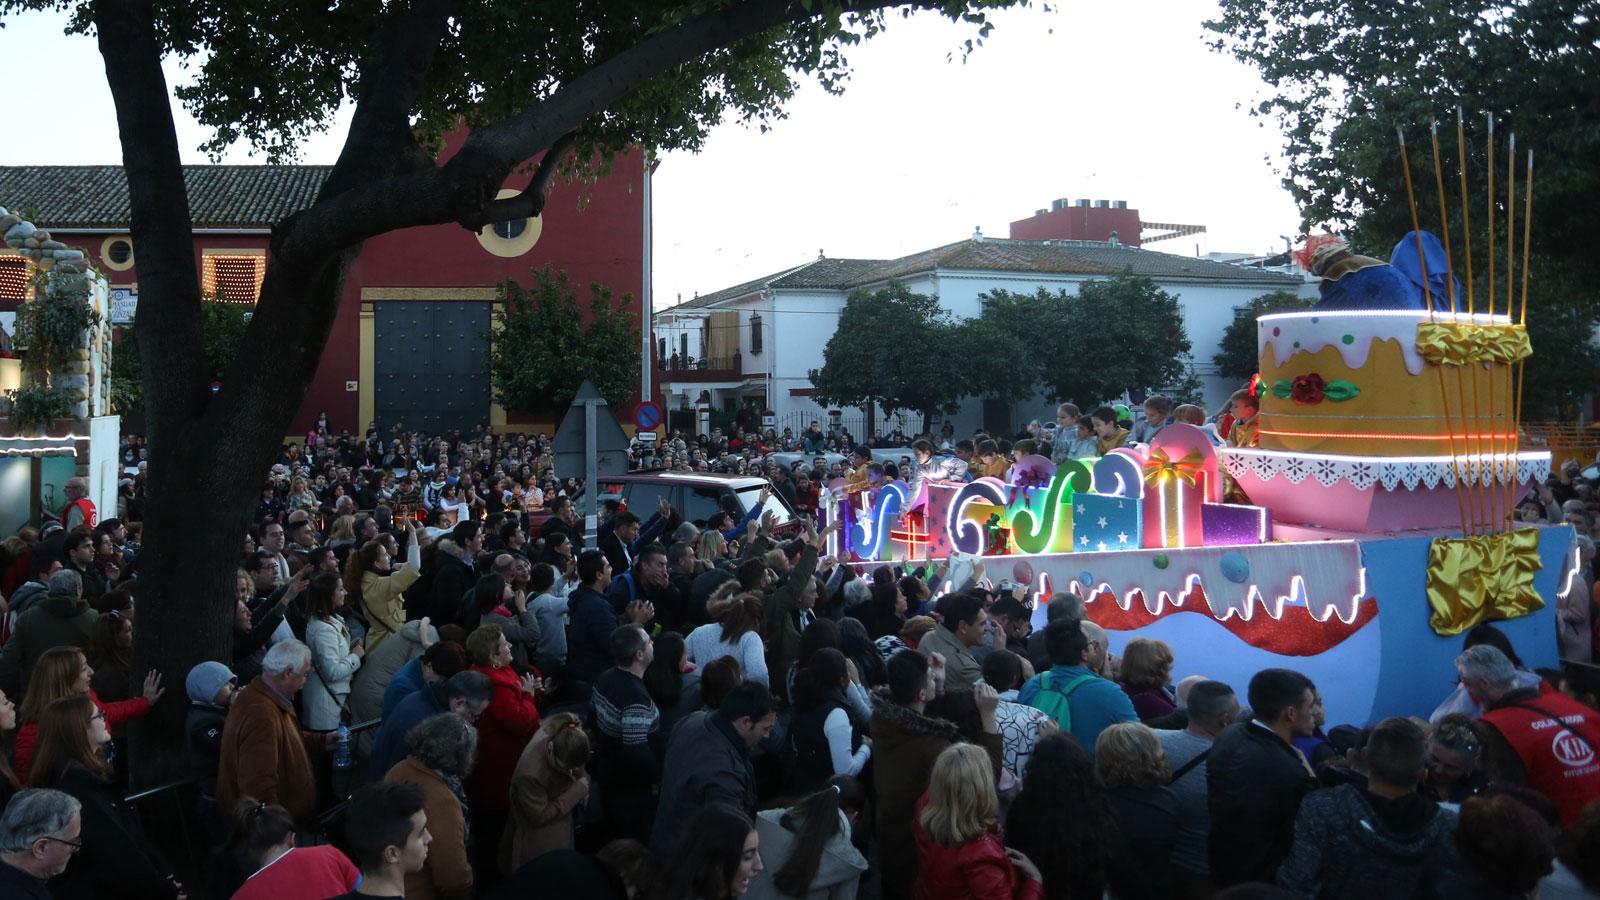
1345, 74
1010, 340
535, 83
893, 348
1118, 334
1239, 359
542, 353
222, 330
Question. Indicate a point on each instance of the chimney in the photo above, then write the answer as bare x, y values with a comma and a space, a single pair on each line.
1057, 204
1102, 204
977, 233
1113, 241
1081, 203
820, 254
1119, 204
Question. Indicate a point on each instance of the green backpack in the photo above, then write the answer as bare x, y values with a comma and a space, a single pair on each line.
1052, 701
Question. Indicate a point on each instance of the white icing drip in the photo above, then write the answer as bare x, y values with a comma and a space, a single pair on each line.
1290, 333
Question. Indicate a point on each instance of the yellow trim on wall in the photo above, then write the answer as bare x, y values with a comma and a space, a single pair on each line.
105, 253
374, 294
512, 247
367, 366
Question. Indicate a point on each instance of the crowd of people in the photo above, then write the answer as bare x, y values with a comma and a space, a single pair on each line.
436, 690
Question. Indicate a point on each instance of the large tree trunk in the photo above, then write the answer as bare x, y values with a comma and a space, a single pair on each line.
209, 453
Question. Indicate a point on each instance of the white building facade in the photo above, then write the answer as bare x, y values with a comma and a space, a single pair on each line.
758, 342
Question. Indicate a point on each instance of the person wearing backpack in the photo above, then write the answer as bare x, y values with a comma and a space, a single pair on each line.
1082, 703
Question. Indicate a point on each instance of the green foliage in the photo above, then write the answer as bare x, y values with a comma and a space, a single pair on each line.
36, 407
542, 352
1010, 340
1345, 74
271, 75
896, 349
52, 326
1121, 333
1115, 334
222, 330
1238, 359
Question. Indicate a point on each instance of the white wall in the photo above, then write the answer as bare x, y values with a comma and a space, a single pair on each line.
796, 327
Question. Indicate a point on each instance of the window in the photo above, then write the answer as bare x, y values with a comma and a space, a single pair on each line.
661, 350
116, 253
755, 334
701, 504
511, 229
643, 496
14, 272
683, 344
233, 278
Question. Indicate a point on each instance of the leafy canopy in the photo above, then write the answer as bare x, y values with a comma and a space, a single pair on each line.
542, 352
1345, 73
894, 348
270, 74
1239, 359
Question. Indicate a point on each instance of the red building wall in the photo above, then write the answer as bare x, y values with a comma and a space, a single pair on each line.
1079, 223
593, 231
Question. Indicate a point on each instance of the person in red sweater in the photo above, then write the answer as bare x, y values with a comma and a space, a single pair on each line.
504, 728
65, 672
267, 843
959, 856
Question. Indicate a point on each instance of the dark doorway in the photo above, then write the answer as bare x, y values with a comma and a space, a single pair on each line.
431, 365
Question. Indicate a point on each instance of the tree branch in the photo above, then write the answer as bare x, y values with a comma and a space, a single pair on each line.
530, 202
467, 184
381, 140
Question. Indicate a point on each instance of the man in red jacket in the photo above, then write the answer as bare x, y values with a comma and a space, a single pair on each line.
79, 509
1549, 742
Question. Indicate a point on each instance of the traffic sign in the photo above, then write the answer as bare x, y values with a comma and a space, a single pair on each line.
647, 415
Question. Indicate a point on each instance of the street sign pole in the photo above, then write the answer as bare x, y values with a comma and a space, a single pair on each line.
590, 441
591, 478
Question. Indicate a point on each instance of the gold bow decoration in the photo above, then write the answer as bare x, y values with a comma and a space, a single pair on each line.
1460, 343
1162, 469
1471, 579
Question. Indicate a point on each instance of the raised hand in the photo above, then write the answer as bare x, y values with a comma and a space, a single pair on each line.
152, 687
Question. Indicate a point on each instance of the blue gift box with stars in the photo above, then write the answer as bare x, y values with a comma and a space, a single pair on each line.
1101, 523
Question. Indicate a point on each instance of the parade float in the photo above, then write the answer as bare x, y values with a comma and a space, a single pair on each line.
1370, 525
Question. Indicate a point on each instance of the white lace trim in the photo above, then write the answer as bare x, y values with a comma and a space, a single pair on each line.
1362, 472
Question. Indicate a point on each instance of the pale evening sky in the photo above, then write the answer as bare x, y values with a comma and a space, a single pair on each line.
1115, 101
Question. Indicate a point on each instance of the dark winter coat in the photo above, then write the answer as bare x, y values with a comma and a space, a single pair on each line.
707, 762
453, 577
1254, 784
1351, 845
203, 729
60, 620
117, 859
905, 744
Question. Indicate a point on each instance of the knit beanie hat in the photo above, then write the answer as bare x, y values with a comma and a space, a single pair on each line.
206, 679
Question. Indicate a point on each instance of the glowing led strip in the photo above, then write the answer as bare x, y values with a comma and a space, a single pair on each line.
1572, 573
1530, 455
1386, 437
1419, 315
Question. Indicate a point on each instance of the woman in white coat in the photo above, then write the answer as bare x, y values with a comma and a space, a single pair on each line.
334, 655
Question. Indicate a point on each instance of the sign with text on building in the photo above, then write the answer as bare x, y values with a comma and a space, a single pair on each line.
124, 303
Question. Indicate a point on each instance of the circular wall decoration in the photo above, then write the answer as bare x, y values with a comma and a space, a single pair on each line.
116, 253
513, 237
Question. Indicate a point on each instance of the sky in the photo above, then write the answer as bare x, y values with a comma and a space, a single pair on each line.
1114, 101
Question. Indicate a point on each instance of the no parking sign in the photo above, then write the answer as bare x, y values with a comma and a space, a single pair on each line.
646, 416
